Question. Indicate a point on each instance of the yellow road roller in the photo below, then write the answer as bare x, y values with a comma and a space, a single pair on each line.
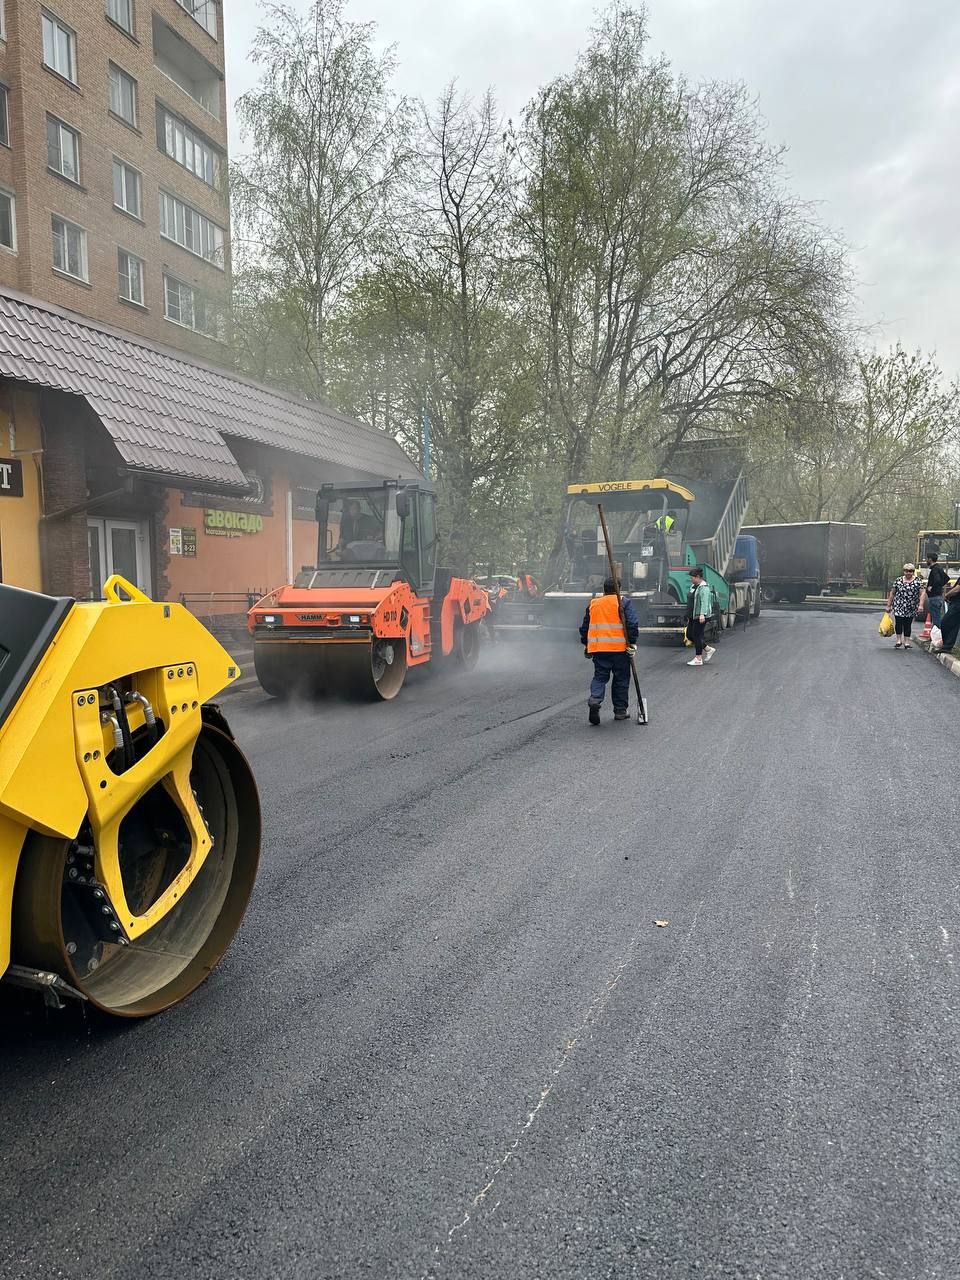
129, 817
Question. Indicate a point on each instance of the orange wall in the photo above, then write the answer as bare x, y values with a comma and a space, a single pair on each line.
248, 561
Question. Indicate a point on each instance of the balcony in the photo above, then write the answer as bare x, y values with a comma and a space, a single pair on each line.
177, 59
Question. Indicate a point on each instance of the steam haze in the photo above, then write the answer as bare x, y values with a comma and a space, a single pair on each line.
864, 94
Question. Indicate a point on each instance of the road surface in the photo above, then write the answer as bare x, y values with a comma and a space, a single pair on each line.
451, 1041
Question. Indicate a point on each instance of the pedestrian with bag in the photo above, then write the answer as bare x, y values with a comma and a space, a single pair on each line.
904, 601
610, 641
700, 608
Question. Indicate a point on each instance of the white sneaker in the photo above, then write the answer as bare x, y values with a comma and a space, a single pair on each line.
708, 652
695, 662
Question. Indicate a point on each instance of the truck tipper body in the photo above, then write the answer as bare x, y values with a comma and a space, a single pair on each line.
809, 558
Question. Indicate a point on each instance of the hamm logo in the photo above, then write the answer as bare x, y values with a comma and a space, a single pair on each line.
310, 617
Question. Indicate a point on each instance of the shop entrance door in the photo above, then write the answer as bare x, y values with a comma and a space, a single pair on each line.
118, 546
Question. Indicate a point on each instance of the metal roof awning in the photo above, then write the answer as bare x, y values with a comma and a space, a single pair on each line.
171, 416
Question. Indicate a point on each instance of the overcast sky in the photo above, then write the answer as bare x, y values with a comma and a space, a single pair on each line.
865, 95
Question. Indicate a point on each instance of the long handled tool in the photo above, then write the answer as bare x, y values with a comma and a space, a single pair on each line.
642, 714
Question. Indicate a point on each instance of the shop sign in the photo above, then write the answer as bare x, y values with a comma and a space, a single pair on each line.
231, 524
11, 478
183, 542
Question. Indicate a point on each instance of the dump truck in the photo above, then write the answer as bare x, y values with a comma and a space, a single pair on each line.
809, 558
374, 605
659, 529
129, 817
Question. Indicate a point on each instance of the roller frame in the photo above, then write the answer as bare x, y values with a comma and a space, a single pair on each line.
53, 735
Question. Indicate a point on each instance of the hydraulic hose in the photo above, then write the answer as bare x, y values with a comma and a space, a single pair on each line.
148, 712
121, 715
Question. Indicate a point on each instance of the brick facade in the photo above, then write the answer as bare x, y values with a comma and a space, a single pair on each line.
34, 91
63, 539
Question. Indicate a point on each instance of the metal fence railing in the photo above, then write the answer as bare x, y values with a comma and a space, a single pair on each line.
208, 604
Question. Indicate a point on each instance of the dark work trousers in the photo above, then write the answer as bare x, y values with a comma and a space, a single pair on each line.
902, 625
950, 623
606, 665
696, 630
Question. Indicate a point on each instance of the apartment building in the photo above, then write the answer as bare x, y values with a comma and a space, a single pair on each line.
113, 149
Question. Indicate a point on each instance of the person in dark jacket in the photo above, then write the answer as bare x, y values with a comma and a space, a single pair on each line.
610, 644
950, 622
937, 579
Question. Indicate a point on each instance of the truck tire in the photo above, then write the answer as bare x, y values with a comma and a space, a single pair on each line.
756, 603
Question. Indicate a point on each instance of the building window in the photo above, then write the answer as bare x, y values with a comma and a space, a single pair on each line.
121, 12
63, 149
130, 273
69, 248
176, 139
188, 228
8, 220
3, 20
4, 116
126, 188
188, 307
202, 11
59, 47
123, 93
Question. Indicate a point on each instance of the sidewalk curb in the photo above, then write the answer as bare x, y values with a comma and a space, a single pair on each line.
947, 660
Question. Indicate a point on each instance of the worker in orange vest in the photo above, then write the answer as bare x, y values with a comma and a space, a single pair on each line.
526, 585
610, 644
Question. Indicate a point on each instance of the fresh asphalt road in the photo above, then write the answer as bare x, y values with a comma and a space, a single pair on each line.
451, 1040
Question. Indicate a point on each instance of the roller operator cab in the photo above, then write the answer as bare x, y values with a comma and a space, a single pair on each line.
374, 604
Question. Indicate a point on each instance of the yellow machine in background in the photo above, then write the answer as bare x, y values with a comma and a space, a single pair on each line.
129, 818
946, 544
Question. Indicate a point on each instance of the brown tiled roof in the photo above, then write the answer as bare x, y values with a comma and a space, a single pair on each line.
170, 415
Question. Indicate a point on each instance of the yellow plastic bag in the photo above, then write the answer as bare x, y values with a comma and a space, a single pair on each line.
886, 625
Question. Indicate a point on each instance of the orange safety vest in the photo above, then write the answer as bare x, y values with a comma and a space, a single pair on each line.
605, 633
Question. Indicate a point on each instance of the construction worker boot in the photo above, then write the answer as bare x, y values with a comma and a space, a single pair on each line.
594, 716
621, 713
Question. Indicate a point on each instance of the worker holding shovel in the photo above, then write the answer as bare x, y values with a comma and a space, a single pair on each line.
609, 633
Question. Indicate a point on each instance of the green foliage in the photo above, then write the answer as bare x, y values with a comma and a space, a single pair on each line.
328, 152
569, 299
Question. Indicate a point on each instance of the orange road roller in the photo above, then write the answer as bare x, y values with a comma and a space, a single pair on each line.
374, 605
